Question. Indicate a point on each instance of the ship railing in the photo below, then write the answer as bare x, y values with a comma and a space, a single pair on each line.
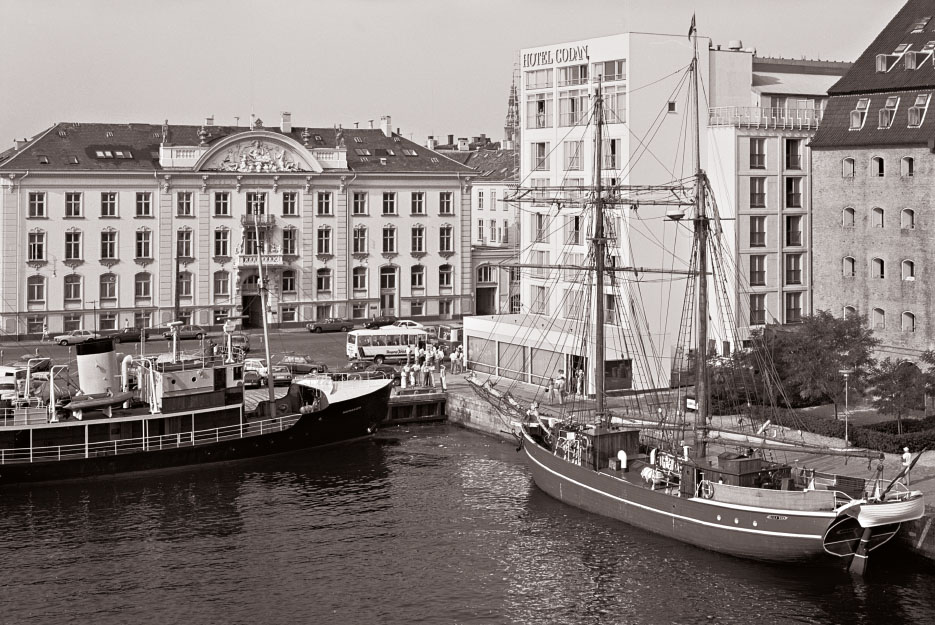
147, 443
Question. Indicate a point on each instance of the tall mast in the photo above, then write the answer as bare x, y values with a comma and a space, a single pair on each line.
701, 240
599, 243
261, 285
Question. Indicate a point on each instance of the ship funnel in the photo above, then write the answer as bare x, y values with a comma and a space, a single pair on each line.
97, 367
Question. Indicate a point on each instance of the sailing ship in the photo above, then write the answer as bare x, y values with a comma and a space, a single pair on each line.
155, 413
651, 467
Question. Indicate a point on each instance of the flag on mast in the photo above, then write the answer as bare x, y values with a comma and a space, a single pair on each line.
692, 29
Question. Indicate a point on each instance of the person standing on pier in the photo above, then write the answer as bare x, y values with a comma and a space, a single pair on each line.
907, 460
560, 386
441, 378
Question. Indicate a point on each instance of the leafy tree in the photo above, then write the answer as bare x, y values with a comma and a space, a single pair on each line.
898, 387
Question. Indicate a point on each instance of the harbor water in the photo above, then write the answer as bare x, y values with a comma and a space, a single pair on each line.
422, 524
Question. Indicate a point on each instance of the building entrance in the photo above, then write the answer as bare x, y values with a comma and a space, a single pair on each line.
486, 300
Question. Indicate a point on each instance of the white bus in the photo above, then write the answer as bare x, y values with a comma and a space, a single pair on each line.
386, 343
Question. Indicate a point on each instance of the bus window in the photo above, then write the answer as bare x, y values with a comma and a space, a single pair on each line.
364, 341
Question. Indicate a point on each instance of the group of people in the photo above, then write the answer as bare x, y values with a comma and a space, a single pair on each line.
426, 363
559, 386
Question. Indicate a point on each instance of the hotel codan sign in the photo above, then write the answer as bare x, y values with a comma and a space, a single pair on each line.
558, 55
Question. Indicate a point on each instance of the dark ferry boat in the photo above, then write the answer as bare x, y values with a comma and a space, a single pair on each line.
153, 415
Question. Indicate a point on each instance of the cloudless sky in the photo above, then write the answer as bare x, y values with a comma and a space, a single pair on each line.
437, 67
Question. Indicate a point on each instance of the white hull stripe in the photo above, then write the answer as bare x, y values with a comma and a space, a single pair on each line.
669, 514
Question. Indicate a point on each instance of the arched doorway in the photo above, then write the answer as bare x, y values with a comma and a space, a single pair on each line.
485, 292
388, 290
251, 302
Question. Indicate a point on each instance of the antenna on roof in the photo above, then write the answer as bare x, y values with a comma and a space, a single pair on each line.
356, 124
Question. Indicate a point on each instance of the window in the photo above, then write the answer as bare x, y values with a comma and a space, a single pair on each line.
183, 203
540, 301
918, 109
877, 167
445, 239
793, 308
540, 156
358, 311
418, 239
362, 152
888, 112
572, 75
906, 167
485, 274
324, 203
793, 192
848, 267
758, 232
221, 283
222, 242
359, 205
574, 229
850, 312
445, 276
516, 304
446, 203
72, 246
287, 314
919, 25
847, 168
793, 269
793, 154
143, 244
36, 247
573, 108
222, 204
37, 205
389, 240
847, 217
256, 203
444, 307
36, 324
909, 322
480, 230
907, 219
185, 284
909, 270
609, 70
35, 289
250, 243
793, 231
142, 284
859, 114
671, 107
417, 203
359, 279
610, 153
387, 278
877, 268
290, 203
417, 307
389, 203
142, 319
493, 230
879, 319
288, 281
324, 240
417, 275
539, 224
109, 245
72, 288
108, 204
615, 104
539, 79
72, 204
183, 246
757, 192
757, 270
539, 110
71, 322
108, 286
290, 241
876, 217
360, 240
757, 153
323, 280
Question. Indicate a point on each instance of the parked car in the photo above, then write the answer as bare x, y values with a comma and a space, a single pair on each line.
299, 364
379, 322
280, 375
386, 371
252, 378
357, 365
188, 332
330, 325
255, 364
241, 342
129, 335
75, 336
408, 323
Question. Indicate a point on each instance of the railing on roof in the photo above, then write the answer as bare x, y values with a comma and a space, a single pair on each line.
759, 117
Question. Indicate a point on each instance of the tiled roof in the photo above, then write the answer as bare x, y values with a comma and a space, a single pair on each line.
59, 147
863, 77
492, 165
834, 130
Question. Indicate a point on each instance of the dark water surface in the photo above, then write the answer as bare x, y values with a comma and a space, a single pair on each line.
421, 525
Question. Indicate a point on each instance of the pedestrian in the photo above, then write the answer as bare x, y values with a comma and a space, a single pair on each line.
408, 353
414, 374
464, 361
579, 381
441, 377
404, 378
45, 332
907, 459
560, 386
550, 389
427, 374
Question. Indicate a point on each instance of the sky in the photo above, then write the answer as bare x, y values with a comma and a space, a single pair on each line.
437, 67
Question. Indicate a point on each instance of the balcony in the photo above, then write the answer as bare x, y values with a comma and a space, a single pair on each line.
757, 117
262, 220
273, 258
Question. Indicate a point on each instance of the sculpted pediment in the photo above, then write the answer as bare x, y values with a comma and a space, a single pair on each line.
259, 153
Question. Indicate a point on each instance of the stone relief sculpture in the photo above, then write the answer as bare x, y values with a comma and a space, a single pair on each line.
257, 156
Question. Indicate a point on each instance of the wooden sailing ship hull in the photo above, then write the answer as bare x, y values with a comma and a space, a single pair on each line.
744, 531
340, 422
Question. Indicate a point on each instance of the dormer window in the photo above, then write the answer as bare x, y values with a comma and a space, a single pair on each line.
362, 151
901, 48
358, 140
859, 115
918, 109
888, 112
919, 25
104, 154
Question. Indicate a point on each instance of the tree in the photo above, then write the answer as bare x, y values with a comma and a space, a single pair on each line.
898, 387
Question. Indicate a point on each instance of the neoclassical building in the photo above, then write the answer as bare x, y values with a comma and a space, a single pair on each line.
107, 225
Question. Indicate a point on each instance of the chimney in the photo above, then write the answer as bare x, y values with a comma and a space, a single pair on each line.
386, 125
484, 139
209, 121
431, 143
17, 144
463, 145
451, 140
286, 123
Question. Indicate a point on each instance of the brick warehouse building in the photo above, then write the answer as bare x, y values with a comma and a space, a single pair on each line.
873, 166
106, 225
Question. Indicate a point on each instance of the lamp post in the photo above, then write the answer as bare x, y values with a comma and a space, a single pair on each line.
846, 373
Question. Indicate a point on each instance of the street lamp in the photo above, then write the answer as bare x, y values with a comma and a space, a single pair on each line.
846, 373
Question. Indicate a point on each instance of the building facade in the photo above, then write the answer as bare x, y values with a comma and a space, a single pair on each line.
107, 225
873, 168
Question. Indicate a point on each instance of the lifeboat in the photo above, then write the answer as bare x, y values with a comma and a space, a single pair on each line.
901, 507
